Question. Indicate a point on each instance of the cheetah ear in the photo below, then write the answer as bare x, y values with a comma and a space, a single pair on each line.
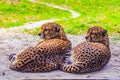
104, 32
57, 28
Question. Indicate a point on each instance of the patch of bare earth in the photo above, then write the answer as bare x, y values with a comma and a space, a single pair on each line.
15, 42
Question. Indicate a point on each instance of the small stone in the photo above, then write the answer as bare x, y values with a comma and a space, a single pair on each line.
88, 76
3, 73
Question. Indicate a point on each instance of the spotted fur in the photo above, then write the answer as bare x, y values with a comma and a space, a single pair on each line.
46, 55
90, 56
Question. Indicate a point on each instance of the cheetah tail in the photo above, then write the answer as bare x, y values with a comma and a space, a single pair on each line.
12, 57
73, 68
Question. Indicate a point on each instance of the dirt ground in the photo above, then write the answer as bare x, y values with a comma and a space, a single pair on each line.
14, 42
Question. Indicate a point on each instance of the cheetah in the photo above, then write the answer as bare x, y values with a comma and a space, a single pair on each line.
89, 56
46, 55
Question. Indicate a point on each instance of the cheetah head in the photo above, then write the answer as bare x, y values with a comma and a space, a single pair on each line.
97, 34
51, 31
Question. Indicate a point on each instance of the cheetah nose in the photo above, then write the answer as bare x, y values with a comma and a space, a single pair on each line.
39, 34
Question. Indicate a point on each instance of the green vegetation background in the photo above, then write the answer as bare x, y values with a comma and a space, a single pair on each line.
105, 13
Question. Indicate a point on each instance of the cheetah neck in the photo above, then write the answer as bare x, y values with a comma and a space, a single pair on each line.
62, 35
105, 42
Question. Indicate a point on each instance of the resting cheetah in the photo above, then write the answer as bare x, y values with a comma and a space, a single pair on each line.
92, 55
47, 55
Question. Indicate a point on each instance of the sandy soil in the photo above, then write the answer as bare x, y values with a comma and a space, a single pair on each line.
14, 42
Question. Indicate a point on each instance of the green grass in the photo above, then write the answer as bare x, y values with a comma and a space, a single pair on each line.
25, 11
33, 31
105, 13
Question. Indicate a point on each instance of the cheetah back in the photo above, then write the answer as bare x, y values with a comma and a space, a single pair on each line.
88, 57
46, 56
